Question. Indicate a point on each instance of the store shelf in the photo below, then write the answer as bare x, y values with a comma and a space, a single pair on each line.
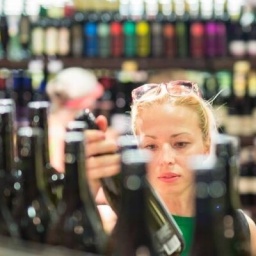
211, 64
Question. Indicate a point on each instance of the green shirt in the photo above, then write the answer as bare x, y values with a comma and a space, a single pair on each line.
186, 225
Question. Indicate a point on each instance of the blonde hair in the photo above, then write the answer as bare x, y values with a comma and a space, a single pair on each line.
71, 83
203, 109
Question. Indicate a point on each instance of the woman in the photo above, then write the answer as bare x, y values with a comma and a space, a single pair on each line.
73, 89
174, 123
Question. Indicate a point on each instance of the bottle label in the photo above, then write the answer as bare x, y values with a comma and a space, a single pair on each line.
168, 241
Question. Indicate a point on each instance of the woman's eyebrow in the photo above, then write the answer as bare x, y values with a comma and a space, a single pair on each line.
178, 134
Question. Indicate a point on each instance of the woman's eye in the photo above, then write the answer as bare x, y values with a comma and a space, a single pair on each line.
150, 147
181, 144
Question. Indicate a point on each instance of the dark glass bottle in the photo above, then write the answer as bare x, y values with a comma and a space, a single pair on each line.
104, 36
217, 204
169, 37
38, 117
131, 235
78, 225
4, 32
90, 36
8, 164
7, 173
129, 28
157, 42
24, 32
182, 32
166, 234
34, 210
76, 31
143, 38
117, 38
197, 35
247, 164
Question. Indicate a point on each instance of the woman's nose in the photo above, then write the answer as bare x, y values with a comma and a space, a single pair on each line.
168, 154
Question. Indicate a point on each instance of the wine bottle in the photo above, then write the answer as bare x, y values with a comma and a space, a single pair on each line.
131, 235
64, 37
90, 39
166, 234
4, 32
217, 203
104, 37
8, 165
78, 225
129, 28
76, 31
34, 210
143, 38
157, 38
117, 38
38, 117
24, 31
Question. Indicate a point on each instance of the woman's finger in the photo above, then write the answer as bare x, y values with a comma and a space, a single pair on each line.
101, 147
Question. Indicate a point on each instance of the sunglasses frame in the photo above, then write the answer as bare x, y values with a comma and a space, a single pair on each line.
193, 87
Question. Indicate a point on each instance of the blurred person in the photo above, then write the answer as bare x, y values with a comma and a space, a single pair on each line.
72, 89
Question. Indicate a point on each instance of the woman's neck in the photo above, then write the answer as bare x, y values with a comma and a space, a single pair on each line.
180, 204
62, 116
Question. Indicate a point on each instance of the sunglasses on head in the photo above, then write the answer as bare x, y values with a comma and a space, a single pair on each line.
173, 88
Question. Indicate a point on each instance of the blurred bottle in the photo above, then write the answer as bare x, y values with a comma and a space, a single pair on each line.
105, 104
104, 36
251, 43
91, 42
245, 184
237, 42
217, 203
51, 36
10, 174
5, 91
4, 32
196, 33
181, 29
130, 39
38, 37
131, 234
224, 80
76, 33
64, 38
78, 225
169, 36
38, 118
117, 38
34, 210
24, 31
157, 45
143, 41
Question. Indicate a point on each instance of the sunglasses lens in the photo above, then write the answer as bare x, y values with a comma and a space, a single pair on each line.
175, 88
179, 90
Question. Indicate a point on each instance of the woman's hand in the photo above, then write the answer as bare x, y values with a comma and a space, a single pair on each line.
102, 159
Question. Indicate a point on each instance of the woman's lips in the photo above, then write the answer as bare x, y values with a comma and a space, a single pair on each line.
169, 177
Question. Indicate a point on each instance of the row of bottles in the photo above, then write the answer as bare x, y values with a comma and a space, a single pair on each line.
231, 93
73, 220
182, 32
57, 209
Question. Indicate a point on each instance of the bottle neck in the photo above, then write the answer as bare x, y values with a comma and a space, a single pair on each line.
30, 154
